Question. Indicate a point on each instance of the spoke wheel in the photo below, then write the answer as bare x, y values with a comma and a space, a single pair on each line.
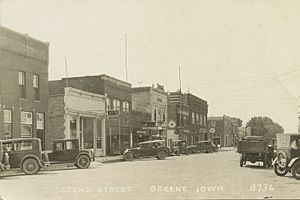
30, 166
279, 171
161, 155
83, 162
128, 156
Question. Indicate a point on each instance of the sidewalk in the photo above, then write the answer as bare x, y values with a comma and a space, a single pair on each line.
109, 159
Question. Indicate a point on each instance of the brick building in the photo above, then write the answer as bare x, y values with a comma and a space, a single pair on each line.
222, 130
149, 113
179, 114
74, 113
23, 85
118, 97
198, 118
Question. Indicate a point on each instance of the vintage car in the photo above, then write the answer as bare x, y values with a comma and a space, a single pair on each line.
288, 155
24, 153
178, 147
68, 151
255, 149
204, 146
153, 148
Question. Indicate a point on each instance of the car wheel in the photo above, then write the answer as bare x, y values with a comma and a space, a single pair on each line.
128, 156
30, 166
296, 170
83, 162
210, 150
189, 151
279, 171
161, 155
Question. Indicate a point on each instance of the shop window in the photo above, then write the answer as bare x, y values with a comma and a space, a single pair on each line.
36, 87
40, 121
22, 84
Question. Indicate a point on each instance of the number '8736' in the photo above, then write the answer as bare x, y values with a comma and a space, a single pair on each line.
261, 188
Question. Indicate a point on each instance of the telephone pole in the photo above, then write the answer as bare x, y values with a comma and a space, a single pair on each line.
125, 56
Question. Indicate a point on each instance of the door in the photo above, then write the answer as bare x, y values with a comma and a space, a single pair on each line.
64, 151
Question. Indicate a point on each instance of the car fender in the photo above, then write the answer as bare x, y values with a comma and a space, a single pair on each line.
31, 156
274, 161
293, 161
83, 153
132, 153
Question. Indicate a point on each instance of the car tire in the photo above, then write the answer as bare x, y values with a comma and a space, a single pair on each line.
296, 170
189, 151
128, 156
30, 166
161, 155
210, 150
83, 162
279, 171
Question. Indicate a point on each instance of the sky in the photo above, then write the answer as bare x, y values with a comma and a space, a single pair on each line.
242, 57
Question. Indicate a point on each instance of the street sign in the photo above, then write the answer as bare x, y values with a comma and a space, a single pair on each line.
172, 124
212, 130
113, 113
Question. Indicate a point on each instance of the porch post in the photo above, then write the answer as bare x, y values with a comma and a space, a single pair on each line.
103, 136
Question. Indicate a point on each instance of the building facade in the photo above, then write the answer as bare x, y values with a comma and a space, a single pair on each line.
23, 85
221, 130
179, 115
118, 97
198, 118
149, 113
74, 113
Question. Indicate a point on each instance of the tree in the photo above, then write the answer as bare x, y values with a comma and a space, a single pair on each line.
264, 126
238, 121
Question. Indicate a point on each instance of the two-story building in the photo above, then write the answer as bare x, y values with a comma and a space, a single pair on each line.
149, 113
23, 85
118, 97
198, 118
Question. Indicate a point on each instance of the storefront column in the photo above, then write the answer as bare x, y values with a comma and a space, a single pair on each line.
95, 128
103, 137
131, 140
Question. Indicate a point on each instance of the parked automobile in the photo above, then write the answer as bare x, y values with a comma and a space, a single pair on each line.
288, 155
204, 146
178, 147
68, 151
23, 153
153, 148
255, 149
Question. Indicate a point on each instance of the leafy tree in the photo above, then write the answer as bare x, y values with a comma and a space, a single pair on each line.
238, 120
264, 126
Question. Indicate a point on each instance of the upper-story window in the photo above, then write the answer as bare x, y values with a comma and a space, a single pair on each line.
201, 119
116, 104
197, 118
213, 123
163, 114
22, 84
108, 103
26, 124
125, 106
36, 86
154, 112
193, 118
204, 120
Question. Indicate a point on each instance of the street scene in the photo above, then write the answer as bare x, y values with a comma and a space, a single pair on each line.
199, 176
149, 100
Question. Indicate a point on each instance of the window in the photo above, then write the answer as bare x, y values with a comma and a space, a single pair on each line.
125, 106
7, 124
197, 118
108, 103
193, 118
163, 114
26, 124
201, 119
213, 123
40, 119
22, 84
204, 120
116, 104
22, 145
154, 112
36, 87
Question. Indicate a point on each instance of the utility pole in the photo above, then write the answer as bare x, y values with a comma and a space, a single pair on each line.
66, 68
179, 80
125, 56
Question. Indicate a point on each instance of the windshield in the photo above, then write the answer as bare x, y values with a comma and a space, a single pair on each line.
295, 144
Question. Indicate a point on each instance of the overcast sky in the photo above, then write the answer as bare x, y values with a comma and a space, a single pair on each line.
240, 56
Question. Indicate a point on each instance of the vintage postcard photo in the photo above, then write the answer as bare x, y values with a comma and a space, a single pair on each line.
149, 99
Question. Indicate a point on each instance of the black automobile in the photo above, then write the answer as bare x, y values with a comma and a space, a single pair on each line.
68, 151
153, 148
204, 146
178, 147
288, 155
23, 153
